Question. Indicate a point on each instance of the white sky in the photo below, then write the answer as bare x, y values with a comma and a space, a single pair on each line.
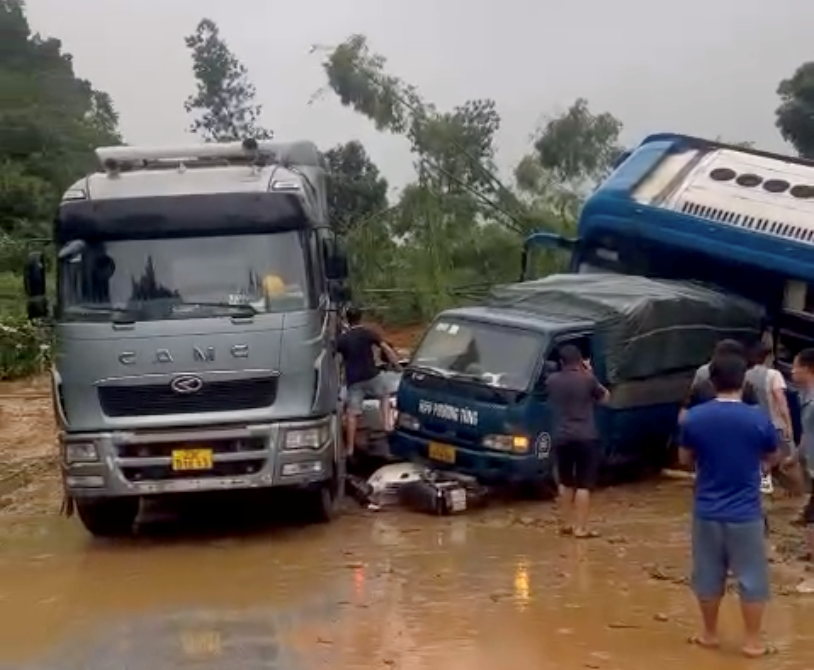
705, 67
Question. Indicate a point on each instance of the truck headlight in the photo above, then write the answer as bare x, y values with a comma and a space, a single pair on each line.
517, 444
407, 421
307, 438
81, 452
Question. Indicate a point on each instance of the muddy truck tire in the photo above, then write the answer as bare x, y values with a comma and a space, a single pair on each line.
110, 517
325, 501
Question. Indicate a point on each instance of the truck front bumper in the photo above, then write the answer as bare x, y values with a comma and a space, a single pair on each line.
140, 463
489, 467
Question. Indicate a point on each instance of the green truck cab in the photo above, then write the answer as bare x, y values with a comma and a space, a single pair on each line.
473, 397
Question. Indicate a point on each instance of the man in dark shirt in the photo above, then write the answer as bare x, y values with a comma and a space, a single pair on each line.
572, 393
362, 376
729, 443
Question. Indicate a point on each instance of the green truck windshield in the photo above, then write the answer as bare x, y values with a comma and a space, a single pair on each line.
499, 356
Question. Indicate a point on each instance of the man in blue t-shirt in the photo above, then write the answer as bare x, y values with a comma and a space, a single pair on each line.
730, 443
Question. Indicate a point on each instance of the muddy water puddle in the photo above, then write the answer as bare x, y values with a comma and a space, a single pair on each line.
491, 590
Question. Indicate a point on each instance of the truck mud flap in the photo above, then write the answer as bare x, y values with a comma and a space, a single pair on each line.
68, 506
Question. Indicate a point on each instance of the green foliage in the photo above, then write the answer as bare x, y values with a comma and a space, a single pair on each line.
356, 189
795, 115
458, 228
572, 153
223, 104
50, 123
357, 76
579, 147
25, 347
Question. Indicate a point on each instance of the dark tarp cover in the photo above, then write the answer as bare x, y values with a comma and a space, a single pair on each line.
646, 327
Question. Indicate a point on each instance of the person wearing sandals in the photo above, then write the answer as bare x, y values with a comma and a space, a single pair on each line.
730, 443
573, 392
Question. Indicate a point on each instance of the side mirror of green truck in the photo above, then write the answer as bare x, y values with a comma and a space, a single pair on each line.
35, 285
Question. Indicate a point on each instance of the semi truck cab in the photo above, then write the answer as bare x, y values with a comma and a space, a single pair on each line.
194, 324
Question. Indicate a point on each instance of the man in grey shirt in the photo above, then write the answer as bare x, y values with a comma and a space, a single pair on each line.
701, 390
573, 392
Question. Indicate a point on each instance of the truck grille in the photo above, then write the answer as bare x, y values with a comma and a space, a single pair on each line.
158, 399
154, 473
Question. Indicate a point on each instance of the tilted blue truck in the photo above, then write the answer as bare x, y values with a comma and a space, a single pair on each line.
676, 208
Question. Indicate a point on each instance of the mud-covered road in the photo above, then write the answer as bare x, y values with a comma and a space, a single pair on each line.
226, 588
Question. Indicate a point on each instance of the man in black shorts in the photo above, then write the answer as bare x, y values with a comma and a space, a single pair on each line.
362, 376
573, 392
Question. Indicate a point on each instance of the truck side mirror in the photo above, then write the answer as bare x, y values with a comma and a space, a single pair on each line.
340, 292
337, 268
336, 260
35, 286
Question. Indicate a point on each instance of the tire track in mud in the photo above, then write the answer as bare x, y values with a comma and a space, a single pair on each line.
29, 464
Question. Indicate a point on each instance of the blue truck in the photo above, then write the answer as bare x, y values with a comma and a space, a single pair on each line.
474, 398
679, 207
677, 211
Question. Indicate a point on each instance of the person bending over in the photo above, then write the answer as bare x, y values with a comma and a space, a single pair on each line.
362, 375
729, 443
573, 392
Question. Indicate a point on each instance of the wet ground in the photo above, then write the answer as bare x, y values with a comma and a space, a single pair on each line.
225, 588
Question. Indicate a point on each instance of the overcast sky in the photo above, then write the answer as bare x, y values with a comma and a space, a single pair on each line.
706, 67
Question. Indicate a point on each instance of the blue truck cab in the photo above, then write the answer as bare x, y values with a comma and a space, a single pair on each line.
448, 416
473, 397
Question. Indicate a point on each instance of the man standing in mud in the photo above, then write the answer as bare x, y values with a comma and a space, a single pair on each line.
573, 392
729, 443
362, 376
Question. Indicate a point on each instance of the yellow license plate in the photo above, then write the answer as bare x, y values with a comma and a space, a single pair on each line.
192, 459
442, 452
201, 643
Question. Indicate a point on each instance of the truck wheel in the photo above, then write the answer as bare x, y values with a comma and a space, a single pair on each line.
326, 500
111, 517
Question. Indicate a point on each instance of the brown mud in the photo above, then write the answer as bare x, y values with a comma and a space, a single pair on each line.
232, 587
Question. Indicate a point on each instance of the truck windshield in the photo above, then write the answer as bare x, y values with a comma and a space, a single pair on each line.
147, 280
496, 355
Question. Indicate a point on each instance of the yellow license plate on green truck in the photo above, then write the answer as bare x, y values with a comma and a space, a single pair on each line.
441, 452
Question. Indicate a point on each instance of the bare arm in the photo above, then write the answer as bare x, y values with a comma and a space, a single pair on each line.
781, 403
771, 452
600, 393
770, 462
686, 452
686, 457
391, 355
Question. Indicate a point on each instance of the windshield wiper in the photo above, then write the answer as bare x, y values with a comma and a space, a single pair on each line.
438, 372
119, 314
480, 381
244, 310
473, 378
